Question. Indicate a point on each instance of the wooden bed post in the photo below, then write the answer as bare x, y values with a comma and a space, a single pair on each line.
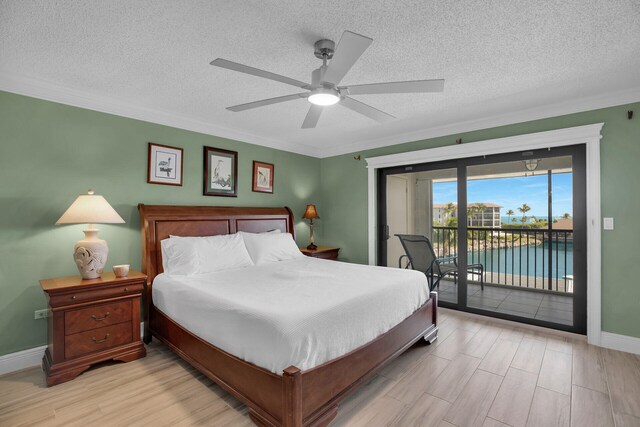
434, 297
292, 397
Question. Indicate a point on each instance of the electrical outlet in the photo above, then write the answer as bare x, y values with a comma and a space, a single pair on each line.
41, 314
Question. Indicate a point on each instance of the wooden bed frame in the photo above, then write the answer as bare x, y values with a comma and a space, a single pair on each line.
296, 398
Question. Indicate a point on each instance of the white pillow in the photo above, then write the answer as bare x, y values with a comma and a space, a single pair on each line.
178, 257
271, 247
200, 255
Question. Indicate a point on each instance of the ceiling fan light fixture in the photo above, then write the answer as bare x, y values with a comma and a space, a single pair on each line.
324, 97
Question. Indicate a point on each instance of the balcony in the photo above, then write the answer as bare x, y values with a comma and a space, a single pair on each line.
528, 272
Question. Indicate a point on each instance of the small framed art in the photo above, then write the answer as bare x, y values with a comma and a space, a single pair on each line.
262, 177
164, 165
220, 172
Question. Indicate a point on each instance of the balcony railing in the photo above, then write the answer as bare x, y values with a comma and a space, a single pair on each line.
523, 257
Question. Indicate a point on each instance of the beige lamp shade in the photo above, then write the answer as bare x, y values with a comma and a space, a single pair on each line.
90, 209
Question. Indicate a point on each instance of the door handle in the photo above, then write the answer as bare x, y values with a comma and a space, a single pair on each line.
385, 232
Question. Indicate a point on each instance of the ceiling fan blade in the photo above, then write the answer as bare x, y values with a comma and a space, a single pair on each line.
349, 50
264, 102
366, 110
312, 117
414, 86
223, 63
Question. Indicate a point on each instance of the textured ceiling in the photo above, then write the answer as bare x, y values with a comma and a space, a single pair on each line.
497, 57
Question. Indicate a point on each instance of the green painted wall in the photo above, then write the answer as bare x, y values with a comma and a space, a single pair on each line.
344, 202
50, 153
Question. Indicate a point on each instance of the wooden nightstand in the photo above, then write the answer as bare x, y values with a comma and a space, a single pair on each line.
324, 252
91, 321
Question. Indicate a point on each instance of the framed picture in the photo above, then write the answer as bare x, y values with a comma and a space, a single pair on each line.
165, 165
220, 172
262, 177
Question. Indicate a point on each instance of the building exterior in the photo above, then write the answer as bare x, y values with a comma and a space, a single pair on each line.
479, 215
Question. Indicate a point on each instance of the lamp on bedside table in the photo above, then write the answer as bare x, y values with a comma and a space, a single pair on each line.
90, 253
311, 213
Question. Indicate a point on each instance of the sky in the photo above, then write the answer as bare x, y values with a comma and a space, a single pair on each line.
511, 193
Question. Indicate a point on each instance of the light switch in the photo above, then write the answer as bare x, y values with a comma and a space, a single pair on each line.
608, 223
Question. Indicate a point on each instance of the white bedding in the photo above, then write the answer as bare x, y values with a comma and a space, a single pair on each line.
301, 312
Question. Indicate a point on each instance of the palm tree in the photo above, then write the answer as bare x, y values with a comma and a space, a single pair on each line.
510, 212
449, 209
566, 215
471, 211
481, 207
523, 210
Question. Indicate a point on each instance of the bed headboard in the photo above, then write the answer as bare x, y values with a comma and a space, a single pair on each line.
160, 221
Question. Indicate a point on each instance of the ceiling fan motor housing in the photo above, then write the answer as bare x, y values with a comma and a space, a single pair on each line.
324, 49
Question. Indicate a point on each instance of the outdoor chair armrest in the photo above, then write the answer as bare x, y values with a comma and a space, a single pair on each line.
400, 261
448, 260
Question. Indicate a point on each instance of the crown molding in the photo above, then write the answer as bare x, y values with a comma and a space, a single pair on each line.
35, 88
48, 91
552, 110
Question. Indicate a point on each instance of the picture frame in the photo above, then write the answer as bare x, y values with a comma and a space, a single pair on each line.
220, 172
164, 165
262, 181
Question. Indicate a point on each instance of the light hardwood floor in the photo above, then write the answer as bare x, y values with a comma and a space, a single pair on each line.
479, 372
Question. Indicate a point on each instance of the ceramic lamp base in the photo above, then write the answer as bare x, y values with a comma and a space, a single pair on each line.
90, 255
312, 247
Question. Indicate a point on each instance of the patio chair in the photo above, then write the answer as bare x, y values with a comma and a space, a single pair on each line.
421, 256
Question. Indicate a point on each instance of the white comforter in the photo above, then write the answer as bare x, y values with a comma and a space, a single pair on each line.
302, 312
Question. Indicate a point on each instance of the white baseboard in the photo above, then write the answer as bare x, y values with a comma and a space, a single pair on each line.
620, 342
21, 359
29, 358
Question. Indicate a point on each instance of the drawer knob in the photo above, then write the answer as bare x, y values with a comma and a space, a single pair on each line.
94, 317
97, 341
73, 297
126, 289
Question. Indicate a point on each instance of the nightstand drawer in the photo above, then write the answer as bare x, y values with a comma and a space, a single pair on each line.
96, 316
94, 294
97, 339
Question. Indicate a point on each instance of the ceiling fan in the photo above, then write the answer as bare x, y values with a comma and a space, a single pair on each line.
324, 90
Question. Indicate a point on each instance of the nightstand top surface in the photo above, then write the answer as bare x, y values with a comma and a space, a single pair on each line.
62, 283
319, 249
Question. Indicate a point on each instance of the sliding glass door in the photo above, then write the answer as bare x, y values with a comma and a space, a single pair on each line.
509, 232
421, 201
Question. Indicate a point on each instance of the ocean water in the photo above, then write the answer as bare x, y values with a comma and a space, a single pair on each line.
527, 260
518, 215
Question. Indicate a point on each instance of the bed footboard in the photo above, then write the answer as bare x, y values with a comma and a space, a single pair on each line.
296, 398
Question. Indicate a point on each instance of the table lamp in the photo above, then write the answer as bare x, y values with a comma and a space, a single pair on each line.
91, 252
311, 213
